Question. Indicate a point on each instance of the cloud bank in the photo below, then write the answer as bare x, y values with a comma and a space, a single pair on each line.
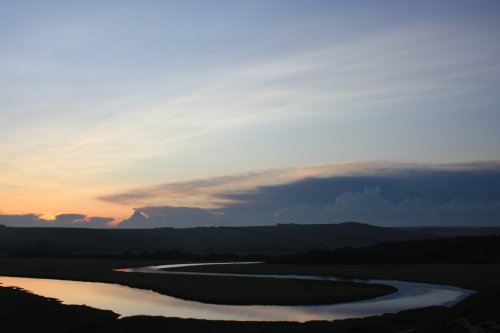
382, 194
223, 190
60, 221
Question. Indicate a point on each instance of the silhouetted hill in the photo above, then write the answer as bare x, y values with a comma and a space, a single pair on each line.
456, 231
282, 238
471, 249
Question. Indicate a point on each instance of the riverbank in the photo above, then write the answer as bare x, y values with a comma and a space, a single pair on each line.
477, 311
24, 312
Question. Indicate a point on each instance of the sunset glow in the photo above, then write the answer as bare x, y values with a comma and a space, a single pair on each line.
49, 216
196, 104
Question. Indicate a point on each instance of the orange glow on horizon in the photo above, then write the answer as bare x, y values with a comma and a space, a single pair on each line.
47, 203
49, 216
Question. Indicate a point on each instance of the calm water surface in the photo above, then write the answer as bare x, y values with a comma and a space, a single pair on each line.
128, 301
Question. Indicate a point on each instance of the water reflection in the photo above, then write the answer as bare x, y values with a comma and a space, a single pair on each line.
130, 301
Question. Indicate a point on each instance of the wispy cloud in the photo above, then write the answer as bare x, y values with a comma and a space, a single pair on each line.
216, 192
91, 105
384, 71
207, 192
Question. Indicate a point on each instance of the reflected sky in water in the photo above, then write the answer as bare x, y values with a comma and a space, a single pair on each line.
130, 301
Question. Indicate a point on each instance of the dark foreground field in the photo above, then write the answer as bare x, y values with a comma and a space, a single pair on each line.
23, 312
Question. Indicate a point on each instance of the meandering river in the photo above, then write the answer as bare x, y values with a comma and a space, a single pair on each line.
128, 301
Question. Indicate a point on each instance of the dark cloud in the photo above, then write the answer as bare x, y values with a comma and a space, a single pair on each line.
156, 217
411, 195
25, 220
72, 218
62, 220
99, 220
438, 186
372, 207
458, 195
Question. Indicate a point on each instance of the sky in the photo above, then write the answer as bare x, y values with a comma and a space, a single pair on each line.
189, 113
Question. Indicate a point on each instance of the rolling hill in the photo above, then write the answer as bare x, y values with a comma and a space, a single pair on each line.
281, 238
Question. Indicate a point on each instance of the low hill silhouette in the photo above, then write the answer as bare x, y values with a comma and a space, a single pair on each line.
469, 249
281, 238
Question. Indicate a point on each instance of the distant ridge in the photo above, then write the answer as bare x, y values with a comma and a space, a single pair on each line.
456, 231
281, 238
460, 249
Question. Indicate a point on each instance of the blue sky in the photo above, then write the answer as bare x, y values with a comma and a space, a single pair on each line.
101, 98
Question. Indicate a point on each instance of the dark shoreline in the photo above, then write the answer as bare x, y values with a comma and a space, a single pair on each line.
23, 312
48, 315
